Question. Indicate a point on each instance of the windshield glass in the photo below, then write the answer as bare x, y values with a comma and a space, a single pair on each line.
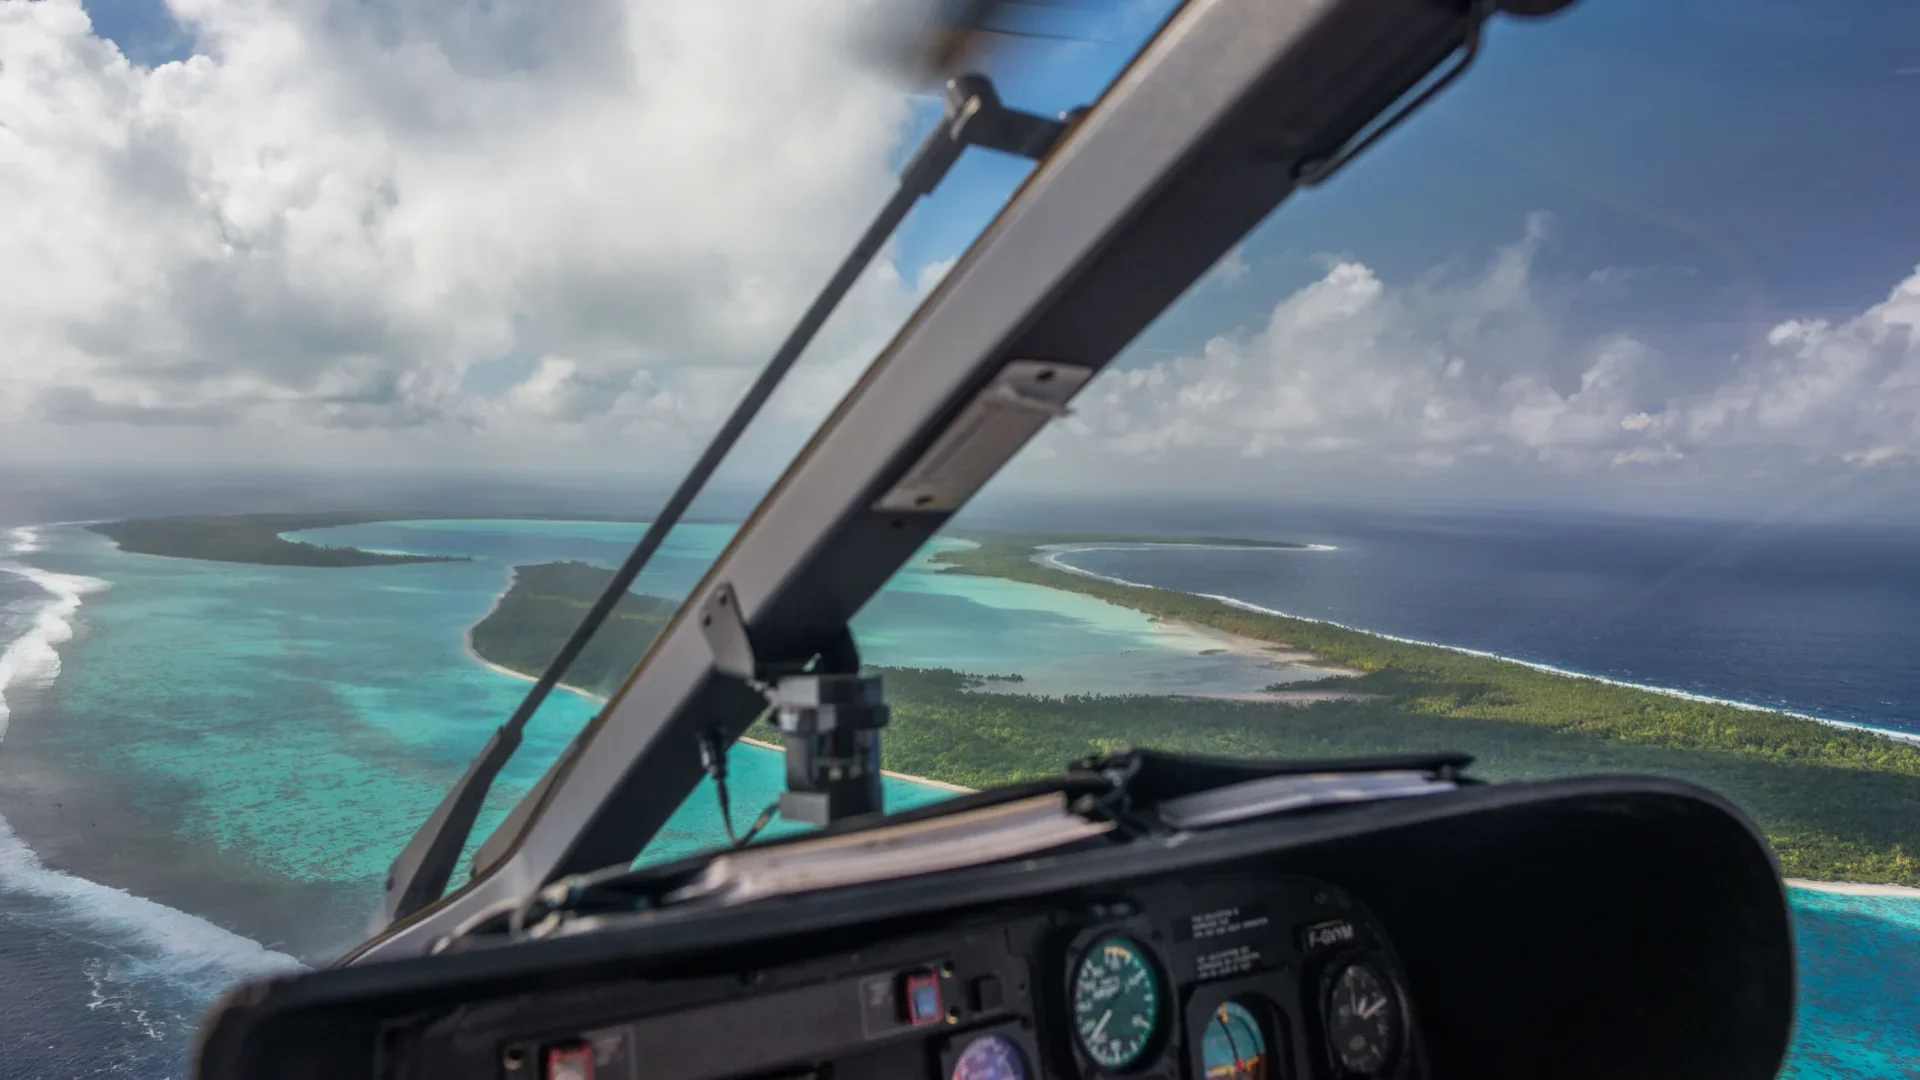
350, 346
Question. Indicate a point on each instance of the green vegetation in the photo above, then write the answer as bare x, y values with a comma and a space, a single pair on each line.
1836, 804
541, 608
251, 538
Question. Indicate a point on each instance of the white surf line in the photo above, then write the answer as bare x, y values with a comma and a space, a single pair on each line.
199, 952
1049, 555
33, 658
1052, 559
1688, 695
290, 538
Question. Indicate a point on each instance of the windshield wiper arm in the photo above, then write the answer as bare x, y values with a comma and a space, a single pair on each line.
974, 116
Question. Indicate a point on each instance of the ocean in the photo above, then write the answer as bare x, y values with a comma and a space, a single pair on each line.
207, 766
1822, 621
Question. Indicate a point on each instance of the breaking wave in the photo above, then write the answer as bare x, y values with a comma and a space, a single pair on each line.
32, 658
145, 953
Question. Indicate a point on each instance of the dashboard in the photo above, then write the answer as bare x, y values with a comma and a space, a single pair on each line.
1617, 927
1241, 978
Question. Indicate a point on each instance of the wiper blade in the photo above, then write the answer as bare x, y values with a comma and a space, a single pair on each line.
974, 116
1285, 794
1126, 796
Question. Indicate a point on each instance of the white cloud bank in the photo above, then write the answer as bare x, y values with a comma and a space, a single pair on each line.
437, 217
1448, 373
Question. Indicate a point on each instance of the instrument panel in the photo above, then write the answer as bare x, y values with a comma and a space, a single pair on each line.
1502, 932
1236, 978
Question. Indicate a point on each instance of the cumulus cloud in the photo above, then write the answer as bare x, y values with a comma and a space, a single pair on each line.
1452, 370
1850, 388
1233, 268
334, 213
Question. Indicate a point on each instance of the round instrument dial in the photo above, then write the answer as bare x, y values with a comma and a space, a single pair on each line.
990, 1057
1363, 1020
1116, 1002
1233, 1047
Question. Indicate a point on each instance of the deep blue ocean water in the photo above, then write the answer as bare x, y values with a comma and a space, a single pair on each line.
280, 731
1818, 620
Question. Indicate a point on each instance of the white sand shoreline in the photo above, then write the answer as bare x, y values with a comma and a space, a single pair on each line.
466, 641
1242, 645
1315, 667
1854, 888
909, 777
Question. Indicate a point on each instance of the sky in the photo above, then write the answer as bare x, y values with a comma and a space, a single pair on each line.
1649, 254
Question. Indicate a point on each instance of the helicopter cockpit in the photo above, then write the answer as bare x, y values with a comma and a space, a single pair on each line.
1140, 913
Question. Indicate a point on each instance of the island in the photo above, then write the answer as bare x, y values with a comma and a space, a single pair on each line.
254, 538
1837, 804
542, 606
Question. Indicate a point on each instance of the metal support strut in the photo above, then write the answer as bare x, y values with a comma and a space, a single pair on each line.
974, 117
829, 716
830, 725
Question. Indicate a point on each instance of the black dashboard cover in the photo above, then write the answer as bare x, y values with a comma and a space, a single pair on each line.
1614, 926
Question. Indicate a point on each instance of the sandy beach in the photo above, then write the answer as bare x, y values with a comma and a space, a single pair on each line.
1241, 645
467, 643
941, 784
1854, 888
1306, 667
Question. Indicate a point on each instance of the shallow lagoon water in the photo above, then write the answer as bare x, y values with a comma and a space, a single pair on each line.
302, 721
283, 729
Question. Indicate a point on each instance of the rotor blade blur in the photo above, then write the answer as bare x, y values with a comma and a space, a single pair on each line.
936, 40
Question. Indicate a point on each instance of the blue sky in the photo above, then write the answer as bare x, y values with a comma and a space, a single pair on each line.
145, 30
1759, 151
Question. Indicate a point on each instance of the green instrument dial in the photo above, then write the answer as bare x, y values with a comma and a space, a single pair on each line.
1116, 1002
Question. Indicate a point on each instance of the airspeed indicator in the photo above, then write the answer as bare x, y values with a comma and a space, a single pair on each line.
1116, 1002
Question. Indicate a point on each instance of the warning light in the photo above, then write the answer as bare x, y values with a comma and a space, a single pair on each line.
923, 998
569, 1063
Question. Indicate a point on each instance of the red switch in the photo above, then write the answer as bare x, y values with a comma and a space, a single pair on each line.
923, 998
569, 1063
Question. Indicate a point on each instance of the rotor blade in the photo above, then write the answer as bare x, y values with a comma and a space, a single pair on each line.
945, 38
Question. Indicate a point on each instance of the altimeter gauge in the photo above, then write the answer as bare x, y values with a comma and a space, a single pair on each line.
1363, 1021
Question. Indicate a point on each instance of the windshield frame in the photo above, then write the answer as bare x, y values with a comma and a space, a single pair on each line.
1196, 142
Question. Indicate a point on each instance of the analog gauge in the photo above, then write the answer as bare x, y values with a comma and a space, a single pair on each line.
990, 1057
1232, 1047
1363, 1020
1116, 1002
